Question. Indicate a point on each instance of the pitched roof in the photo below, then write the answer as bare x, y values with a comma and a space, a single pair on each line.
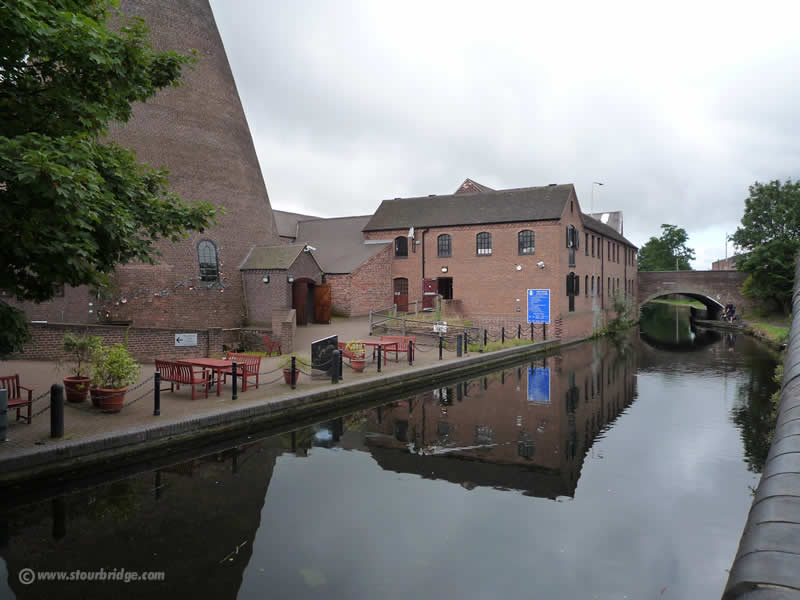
501, 206
339, 243
286, 222
272, 257
472, 186
594, 225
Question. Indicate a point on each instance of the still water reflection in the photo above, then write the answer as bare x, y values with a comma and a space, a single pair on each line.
603, 472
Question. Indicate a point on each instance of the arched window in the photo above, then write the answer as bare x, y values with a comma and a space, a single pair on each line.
207, 257
592, 285
586, 286
445, 245
401, 247
484, 243
526, 241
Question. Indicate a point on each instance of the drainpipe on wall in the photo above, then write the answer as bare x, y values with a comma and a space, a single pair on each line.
424, 231
602, 274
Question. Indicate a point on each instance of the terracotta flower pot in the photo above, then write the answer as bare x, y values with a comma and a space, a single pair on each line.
108, 399
76, 388
358, 364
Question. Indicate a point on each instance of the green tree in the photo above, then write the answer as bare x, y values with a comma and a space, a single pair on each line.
668, 252
72, 204
769, 237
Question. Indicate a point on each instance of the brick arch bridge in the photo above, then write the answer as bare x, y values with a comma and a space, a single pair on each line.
713, 288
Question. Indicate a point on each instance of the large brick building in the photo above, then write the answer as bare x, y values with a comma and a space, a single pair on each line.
482, 249
199, 132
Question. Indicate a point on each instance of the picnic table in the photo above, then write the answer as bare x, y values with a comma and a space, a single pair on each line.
216, 365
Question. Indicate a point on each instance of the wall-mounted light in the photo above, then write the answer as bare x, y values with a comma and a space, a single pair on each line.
444, 269
540, 264
291, 278
518, 267
265, 279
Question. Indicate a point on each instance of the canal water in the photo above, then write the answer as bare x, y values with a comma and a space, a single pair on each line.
610, 470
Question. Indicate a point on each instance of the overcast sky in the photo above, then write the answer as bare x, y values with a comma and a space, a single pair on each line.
677, 111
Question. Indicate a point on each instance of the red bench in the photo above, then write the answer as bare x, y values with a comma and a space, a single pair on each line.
178, 374
402, 343
16, 398
247, 367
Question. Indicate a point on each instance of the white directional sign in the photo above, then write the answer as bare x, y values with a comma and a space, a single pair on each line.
186, 339
440, 327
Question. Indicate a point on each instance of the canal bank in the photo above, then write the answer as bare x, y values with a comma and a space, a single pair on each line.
115, 448
767, 564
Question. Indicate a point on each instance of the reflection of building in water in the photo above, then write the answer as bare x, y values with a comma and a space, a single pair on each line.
196, 521
501, 430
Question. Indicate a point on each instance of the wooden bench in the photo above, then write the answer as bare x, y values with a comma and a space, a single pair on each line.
247, 366
18, 395
402, 343
178, 374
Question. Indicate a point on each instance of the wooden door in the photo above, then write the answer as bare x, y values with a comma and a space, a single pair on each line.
401, 294
430, 289
322, 303
299, 299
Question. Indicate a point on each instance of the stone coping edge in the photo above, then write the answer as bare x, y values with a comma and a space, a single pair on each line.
767, 563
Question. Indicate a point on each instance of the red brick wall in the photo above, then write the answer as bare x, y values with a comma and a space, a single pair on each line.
340, 294
371, 286
143, 343
72, 307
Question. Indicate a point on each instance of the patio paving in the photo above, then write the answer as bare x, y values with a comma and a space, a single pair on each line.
83, 422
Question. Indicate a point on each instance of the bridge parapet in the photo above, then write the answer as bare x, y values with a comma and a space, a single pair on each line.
768, 561
710, 287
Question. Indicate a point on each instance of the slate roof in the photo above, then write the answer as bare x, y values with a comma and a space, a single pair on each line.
593, 224
272, 257
501, 206
286, 222
339, 243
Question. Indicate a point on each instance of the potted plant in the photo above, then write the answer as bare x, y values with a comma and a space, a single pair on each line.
113, 370
286, 365
357, 352
80, 349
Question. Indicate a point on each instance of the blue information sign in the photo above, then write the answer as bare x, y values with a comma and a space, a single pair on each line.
538, 306
539, 385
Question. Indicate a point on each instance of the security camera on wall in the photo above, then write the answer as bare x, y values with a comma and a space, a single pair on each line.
540, 264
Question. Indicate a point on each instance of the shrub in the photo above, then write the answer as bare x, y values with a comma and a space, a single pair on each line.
113, 367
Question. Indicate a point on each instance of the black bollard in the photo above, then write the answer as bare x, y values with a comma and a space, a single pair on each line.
485, 337
56, 410
544, 331
502, 335
3, 415
235, 394
335, 368
294, 373
379, 357
410, 353
440, 346
531, 331
519, 331
156, 394
458, 345
466, 343
341, 366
